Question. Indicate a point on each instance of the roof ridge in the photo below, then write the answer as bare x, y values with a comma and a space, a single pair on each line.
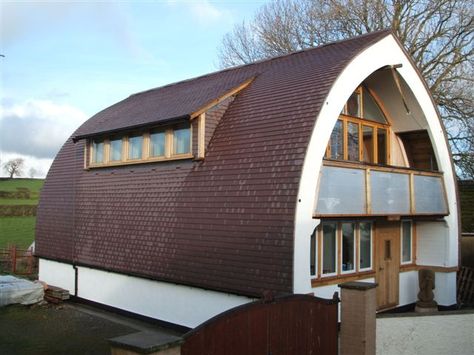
386, 30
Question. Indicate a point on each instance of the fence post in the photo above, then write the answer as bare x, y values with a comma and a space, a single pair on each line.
13, 251
358, 323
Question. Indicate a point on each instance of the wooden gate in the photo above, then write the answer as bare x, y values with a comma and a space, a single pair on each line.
296, 324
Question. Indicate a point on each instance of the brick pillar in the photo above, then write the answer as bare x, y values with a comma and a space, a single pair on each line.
358, 307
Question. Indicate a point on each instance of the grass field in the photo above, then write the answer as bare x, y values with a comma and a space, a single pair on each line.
19, 230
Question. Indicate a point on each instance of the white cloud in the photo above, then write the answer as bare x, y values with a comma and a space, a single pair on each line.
36, 128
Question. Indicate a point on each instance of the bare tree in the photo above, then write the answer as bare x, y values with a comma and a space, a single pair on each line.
14, 167
439, 35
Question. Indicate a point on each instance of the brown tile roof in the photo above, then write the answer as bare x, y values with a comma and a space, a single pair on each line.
224, 223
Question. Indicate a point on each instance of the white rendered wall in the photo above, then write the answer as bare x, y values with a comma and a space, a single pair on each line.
408, 288
183, 305
432, 243
57, 274
385, 52
439, 334
445, 288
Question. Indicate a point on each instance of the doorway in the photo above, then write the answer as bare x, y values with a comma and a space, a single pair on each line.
387, 263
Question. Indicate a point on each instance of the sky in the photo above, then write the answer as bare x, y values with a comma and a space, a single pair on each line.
64, 61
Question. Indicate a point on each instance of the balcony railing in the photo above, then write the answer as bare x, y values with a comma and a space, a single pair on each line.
347, 189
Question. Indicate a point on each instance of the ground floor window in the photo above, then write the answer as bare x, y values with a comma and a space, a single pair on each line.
341, 248
407, 240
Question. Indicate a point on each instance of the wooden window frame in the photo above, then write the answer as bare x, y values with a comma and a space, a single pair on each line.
320, 235
371, 267
361, 121
145, 158
357, 271
412, 243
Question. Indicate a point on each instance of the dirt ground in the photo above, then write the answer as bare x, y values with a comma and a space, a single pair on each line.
62, 329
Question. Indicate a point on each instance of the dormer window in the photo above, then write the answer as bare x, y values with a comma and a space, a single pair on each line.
182, 141
115, 150
97, 156
169, 142
135, 147
361, 132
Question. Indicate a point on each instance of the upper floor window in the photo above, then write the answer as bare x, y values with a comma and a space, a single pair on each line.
361, 132
172, 142
181, 140
135, 147
97, 154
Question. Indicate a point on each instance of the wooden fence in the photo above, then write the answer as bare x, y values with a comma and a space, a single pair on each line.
465, 286
18, 261
296, 324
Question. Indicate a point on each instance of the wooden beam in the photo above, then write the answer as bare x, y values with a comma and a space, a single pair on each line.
201, 135
222, 98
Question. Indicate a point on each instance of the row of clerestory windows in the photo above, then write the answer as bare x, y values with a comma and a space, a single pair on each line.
158, 144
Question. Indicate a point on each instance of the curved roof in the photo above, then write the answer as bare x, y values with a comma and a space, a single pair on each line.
225, 223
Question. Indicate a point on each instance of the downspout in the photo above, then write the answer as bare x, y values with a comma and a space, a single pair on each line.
74, 266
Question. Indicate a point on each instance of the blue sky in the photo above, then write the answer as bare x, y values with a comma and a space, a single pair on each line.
65, 61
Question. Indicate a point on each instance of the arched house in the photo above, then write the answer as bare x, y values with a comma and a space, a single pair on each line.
289, 175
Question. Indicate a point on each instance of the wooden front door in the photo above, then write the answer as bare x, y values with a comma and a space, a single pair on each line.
387, 263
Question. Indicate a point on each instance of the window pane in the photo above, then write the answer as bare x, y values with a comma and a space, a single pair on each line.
390, 193
429, 195
312, 266
157, 144
365, 245
98, 151
382, 145
181, 141
372, 111
348, 250
406, 241
135, 144
353, 105
341, 191
368, 144
336, 142
116, 149
352, 141
329, 248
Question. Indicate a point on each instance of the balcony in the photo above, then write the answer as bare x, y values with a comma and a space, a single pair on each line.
350, 189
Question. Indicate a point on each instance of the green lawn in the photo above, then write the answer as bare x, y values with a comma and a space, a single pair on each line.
18, 201
17, 230
12, 184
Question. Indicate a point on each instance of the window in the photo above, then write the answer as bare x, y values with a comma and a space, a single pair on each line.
336, 145
352, 141
115, 151
181, 141
346, 247
157, 144
361, 132
313, 253
97, 156
406, 242
167, 143
329, 248
135, 147
365, 246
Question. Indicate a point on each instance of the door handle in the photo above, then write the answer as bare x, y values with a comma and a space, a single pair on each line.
380, 268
